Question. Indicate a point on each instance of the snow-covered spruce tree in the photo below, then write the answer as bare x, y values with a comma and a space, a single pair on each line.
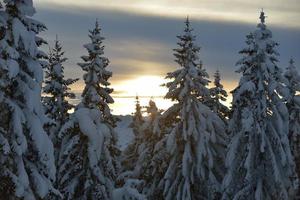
137, 119
144, 144
293, 104
57, 92
218, 95
87, 162
259, 161
27, 167
196, 141
137, 178
151, 134
130, 154
97, 92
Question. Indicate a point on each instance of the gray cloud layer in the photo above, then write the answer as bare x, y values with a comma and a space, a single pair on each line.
142, 44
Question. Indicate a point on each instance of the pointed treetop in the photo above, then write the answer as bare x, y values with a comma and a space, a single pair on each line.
56, 41
187, 21
97, 23
187, 25
137, 100
97, 28
217, 75
262, 16
291, 61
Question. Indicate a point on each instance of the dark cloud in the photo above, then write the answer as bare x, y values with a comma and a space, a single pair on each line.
150, 39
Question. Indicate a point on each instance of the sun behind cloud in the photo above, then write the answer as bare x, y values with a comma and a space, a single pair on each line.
144, 86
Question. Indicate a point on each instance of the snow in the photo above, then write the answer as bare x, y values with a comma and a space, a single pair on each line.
124, 132
23, 36
259, 125
13, 68
87, 120
129, 191
29, 162
42, 142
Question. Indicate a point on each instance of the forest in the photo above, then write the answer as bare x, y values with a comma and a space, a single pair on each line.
197, 149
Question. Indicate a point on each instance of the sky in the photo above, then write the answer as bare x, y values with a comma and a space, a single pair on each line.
140, 36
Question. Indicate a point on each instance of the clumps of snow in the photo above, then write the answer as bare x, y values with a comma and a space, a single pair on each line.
124, 132
88, 121
23, 37
129, 191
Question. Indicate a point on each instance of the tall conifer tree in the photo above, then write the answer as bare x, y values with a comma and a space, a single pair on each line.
131, 153
219, 95
27, 167
57, 92
196, 142
87, 163
293, 104
259, 160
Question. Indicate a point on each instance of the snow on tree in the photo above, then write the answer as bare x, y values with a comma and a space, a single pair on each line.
57, 92
130, 154
97, 93
151, 134
130, 191
293, 104
219, 95
137, 119
143, 146
196, 142
27, 167
259, 161
136, 178
2, 22
87, 162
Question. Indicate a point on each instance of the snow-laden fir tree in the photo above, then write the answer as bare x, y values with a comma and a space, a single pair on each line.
57, 92
130, 154
218, 95
137, 119
197, 139
27, 167
151, 134
259, 161
138, 177
293, 104
144, 143
97, 91
87, 162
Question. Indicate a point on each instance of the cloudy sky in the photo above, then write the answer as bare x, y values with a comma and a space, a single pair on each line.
140, 35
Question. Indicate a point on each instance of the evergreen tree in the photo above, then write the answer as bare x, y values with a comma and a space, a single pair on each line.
151, 135
131, 154
97, 93
138, 176
293, 104
144, 144
137, 119
57, 92
27, 167
259, 161
87, 163
219, 95
196, 142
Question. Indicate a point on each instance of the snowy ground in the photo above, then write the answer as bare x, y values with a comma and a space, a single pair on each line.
125, 134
